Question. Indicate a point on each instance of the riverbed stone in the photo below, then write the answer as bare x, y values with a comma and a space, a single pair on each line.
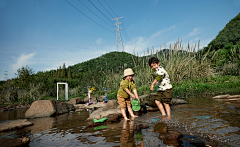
171, 138
160, 127
93, 99
45, 108
221, 96
99, 113
111, 104
9, 125
233, 96
14, 142
75, 101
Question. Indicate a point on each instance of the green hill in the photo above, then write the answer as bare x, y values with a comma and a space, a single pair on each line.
227, 39
229, 35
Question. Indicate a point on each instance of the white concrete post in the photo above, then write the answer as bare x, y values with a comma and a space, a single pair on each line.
66, 90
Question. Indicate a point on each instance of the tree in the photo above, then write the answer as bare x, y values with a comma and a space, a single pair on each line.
70, 73
64, 71
24, 75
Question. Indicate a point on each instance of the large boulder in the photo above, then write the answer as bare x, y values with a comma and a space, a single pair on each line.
93, 99
111, 104
99, 113
75, 101
9, 125
150, 100
45, 108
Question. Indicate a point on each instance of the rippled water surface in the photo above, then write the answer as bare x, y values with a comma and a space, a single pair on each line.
203, 119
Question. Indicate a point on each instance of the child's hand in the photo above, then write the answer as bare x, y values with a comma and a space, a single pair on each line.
151, 88
133, 96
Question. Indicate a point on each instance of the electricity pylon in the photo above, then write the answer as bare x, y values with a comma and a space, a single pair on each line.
119, 42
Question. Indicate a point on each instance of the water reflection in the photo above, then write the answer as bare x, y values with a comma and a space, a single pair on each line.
13, 114
206, 119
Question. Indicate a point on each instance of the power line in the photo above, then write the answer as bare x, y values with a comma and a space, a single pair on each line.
100, 12
105, 9
124, 30
111, 8
94, 13
87, 16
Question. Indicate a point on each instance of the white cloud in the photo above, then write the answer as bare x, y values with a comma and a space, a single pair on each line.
99, 41
140, 44
23, 60
194, 32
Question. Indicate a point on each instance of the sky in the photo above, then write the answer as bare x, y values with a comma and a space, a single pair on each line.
44, 34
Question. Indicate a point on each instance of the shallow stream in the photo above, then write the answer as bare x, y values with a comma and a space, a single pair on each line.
203, 121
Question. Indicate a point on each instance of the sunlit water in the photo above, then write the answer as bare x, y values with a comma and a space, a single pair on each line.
204, 119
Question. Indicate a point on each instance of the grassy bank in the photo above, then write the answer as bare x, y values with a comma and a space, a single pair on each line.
195, 87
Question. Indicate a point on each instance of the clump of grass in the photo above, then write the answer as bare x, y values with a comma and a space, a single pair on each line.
207, 86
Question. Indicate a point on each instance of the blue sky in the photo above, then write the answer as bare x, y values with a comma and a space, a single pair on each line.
44, 34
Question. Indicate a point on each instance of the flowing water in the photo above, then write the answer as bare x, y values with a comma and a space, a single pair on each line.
203, 121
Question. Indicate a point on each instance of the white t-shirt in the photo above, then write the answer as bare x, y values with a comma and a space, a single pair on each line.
165, 82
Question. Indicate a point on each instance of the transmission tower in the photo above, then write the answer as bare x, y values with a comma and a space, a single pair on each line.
6, 75
119, 42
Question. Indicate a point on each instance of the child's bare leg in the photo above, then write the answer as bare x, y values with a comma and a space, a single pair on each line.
131, 111
124, 113
160, 107
167, 109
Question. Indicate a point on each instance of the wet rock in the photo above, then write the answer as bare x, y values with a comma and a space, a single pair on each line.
99, 113
233, 96
93, 99
221, 96
14, 142
141, 126
75, 101
150, 100
173, 135
237, 106
227, 103
170, 138
111, 104
25, 140
151, 109
45, 108
178, 101
160, 127
9, 125
113, 117
193, 140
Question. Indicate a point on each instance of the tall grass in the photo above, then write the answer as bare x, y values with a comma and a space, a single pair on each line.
180, 63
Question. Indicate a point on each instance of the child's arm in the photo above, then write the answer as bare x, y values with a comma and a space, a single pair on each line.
158, 78
135, 92
130, 93
153, 83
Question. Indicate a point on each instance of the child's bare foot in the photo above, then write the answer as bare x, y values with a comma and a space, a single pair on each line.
134, 116
126, 118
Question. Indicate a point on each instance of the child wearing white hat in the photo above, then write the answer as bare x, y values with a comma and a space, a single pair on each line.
127, 85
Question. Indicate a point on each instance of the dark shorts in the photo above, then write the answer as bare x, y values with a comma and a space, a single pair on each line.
164, 96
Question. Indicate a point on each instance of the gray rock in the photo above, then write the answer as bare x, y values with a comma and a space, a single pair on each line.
99, 113
75, 101
149, 100
45, 108
13, 142
178, 101
111, 104
9, 125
